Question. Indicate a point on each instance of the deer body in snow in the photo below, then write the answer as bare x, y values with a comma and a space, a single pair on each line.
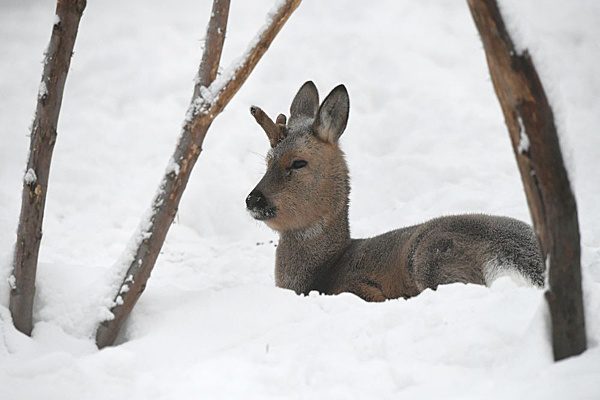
304, 197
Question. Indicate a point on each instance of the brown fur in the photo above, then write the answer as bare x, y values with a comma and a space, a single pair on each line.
307, 204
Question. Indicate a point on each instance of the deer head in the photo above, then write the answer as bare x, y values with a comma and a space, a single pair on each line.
306, 183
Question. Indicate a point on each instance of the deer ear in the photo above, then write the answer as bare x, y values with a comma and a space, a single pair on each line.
306, 102
332, 116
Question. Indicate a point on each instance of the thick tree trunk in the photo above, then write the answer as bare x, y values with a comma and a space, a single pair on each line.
206, 104
35, 182
530, 122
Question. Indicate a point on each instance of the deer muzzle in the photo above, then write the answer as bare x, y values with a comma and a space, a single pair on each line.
258, 206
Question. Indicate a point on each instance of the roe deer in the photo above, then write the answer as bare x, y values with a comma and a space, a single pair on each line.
304, 197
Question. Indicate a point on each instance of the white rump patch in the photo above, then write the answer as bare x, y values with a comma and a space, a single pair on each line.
494, 269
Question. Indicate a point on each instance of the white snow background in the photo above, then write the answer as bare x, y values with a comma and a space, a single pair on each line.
426, 137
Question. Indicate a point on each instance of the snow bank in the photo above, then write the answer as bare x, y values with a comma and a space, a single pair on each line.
425, 137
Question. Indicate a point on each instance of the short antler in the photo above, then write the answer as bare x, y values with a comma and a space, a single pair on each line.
281, 120
275, 130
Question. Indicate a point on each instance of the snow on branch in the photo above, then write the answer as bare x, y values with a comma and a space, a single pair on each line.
215, 97
211, 95
213, 47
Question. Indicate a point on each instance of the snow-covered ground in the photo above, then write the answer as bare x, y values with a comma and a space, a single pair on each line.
425, 137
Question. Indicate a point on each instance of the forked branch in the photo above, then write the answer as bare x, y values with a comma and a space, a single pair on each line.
206, 104
35, 183
532, 130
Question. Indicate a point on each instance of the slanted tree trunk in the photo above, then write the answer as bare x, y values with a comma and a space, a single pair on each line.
210, 98
35, 183
530, 122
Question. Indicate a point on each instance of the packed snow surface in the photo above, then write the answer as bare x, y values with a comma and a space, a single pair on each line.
425, 138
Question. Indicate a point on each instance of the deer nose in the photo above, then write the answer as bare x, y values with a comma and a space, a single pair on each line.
256, 200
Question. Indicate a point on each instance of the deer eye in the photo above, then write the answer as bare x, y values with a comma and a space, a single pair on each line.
297, 164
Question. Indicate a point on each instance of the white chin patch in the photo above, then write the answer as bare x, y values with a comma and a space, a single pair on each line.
255, 214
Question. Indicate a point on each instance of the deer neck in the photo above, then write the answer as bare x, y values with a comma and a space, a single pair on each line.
304, 258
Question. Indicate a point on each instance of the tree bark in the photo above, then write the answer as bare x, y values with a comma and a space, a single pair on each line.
213, 46
206, 104
536, 146
35, 183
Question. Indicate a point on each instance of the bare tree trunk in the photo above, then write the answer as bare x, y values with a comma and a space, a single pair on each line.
530, 122
206, 104
35, 183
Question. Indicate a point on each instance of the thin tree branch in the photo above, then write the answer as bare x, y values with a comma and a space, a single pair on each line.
35, 183
203, 109
213, 46
536, 146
